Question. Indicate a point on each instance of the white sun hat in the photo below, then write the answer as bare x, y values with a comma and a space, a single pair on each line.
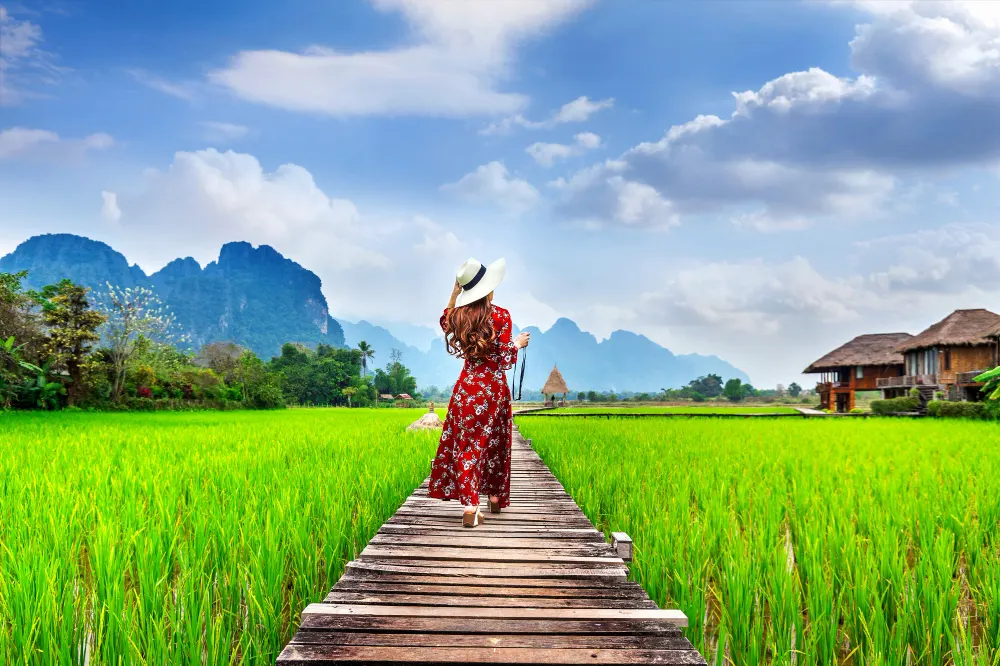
478, 279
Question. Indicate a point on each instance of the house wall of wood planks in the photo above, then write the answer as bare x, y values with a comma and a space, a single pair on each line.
535, 584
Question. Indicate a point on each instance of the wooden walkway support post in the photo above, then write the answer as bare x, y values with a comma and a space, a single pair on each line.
535, 584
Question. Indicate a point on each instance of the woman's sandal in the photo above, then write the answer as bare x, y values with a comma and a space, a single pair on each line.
494, 506
471, 519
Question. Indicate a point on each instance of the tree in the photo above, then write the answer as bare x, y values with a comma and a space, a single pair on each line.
12, 367
779, 390
349, 391
709, 385
223, 358
72, 327
367, 353
17, 318
260, 387
794, 390
733, 390
133, 315
580, 396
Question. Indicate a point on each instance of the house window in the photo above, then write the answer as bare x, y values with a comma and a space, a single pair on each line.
859, 372
947, 359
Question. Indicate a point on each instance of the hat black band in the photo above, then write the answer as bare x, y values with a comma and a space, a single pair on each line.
475, 280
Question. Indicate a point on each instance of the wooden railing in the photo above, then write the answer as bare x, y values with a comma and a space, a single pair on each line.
968, 377
907, 380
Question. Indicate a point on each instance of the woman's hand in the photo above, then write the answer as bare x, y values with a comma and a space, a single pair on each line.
522, 339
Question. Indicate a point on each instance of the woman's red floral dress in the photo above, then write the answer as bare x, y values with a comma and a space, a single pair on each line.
474, 453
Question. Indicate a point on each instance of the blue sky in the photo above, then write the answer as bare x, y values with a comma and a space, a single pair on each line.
761, 181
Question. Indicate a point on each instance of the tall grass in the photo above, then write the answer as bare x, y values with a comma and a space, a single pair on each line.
802, 541
712, 409
192, 538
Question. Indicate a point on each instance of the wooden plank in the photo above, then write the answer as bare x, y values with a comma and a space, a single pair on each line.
489, 555
389, 598
625, 590
673, 616
295, 653
657, 642
389, 624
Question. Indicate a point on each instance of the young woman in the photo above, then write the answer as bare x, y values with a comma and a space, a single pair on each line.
474, 453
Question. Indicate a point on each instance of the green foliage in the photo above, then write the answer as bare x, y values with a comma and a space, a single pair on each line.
794, 390
697, 397
811, 537
734, 390
395, 378
187, 538
960, 410
709, 386
899, 405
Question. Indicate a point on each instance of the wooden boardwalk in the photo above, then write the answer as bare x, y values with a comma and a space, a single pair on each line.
536, 584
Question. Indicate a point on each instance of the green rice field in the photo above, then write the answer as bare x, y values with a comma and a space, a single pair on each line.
672, 410
187, 538
806, 541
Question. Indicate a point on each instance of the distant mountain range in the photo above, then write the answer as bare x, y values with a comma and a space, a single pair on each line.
259, 299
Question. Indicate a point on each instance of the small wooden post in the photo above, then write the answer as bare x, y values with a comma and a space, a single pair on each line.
623, 545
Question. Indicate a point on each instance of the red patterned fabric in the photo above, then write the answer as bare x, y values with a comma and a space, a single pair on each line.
474, 453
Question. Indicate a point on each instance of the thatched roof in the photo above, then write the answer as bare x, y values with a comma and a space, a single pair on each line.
555, 383
871, 349
960, 328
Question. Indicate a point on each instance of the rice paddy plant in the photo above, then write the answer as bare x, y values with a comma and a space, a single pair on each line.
807, 541
187, 538
714, 409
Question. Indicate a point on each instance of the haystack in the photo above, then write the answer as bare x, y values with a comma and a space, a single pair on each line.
555, 383
429, 421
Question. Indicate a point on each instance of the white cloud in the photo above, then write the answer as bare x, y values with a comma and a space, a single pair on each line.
436, 240
598, 195
223, 132
547, 154
809, 145
185, 90
577, 111
23, 63
22, 142
207, 198
109, 209
452, 66
492, 183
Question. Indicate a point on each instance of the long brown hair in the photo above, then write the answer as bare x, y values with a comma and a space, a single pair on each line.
470, 333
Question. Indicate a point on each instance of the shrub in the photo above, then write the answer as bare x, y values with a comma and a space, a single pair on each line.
857, 410
895, 405
697, 397
959, 410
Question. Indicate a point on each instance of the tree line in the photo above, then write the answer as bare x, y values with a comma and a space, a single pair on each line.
63, 346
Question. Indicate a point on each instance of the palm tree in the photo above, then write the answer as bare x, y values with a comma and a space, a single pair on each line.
349, 391
366, 353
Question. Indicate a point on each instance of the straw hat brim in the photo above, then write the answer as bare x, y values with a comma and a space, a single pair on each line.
491, 280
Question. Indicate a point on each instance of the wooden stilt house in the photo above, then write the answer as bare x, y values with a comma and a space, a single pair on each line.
947, 356
554, 385
857, 366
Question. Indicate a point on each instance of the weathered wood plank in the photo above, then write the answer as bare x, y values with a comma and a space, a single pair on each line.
673, 616
295, 653
629, 641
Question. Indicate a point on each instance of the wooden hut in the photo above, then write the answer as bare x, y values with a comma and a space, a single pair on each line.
947, 356
857, 366
554, 385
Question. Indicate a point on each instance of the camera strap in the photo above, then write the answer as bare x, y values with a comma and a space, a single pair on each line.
523, 353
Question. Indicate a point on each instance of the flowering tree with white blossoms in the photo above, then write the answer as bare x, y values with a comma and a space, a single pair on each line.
133, 316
